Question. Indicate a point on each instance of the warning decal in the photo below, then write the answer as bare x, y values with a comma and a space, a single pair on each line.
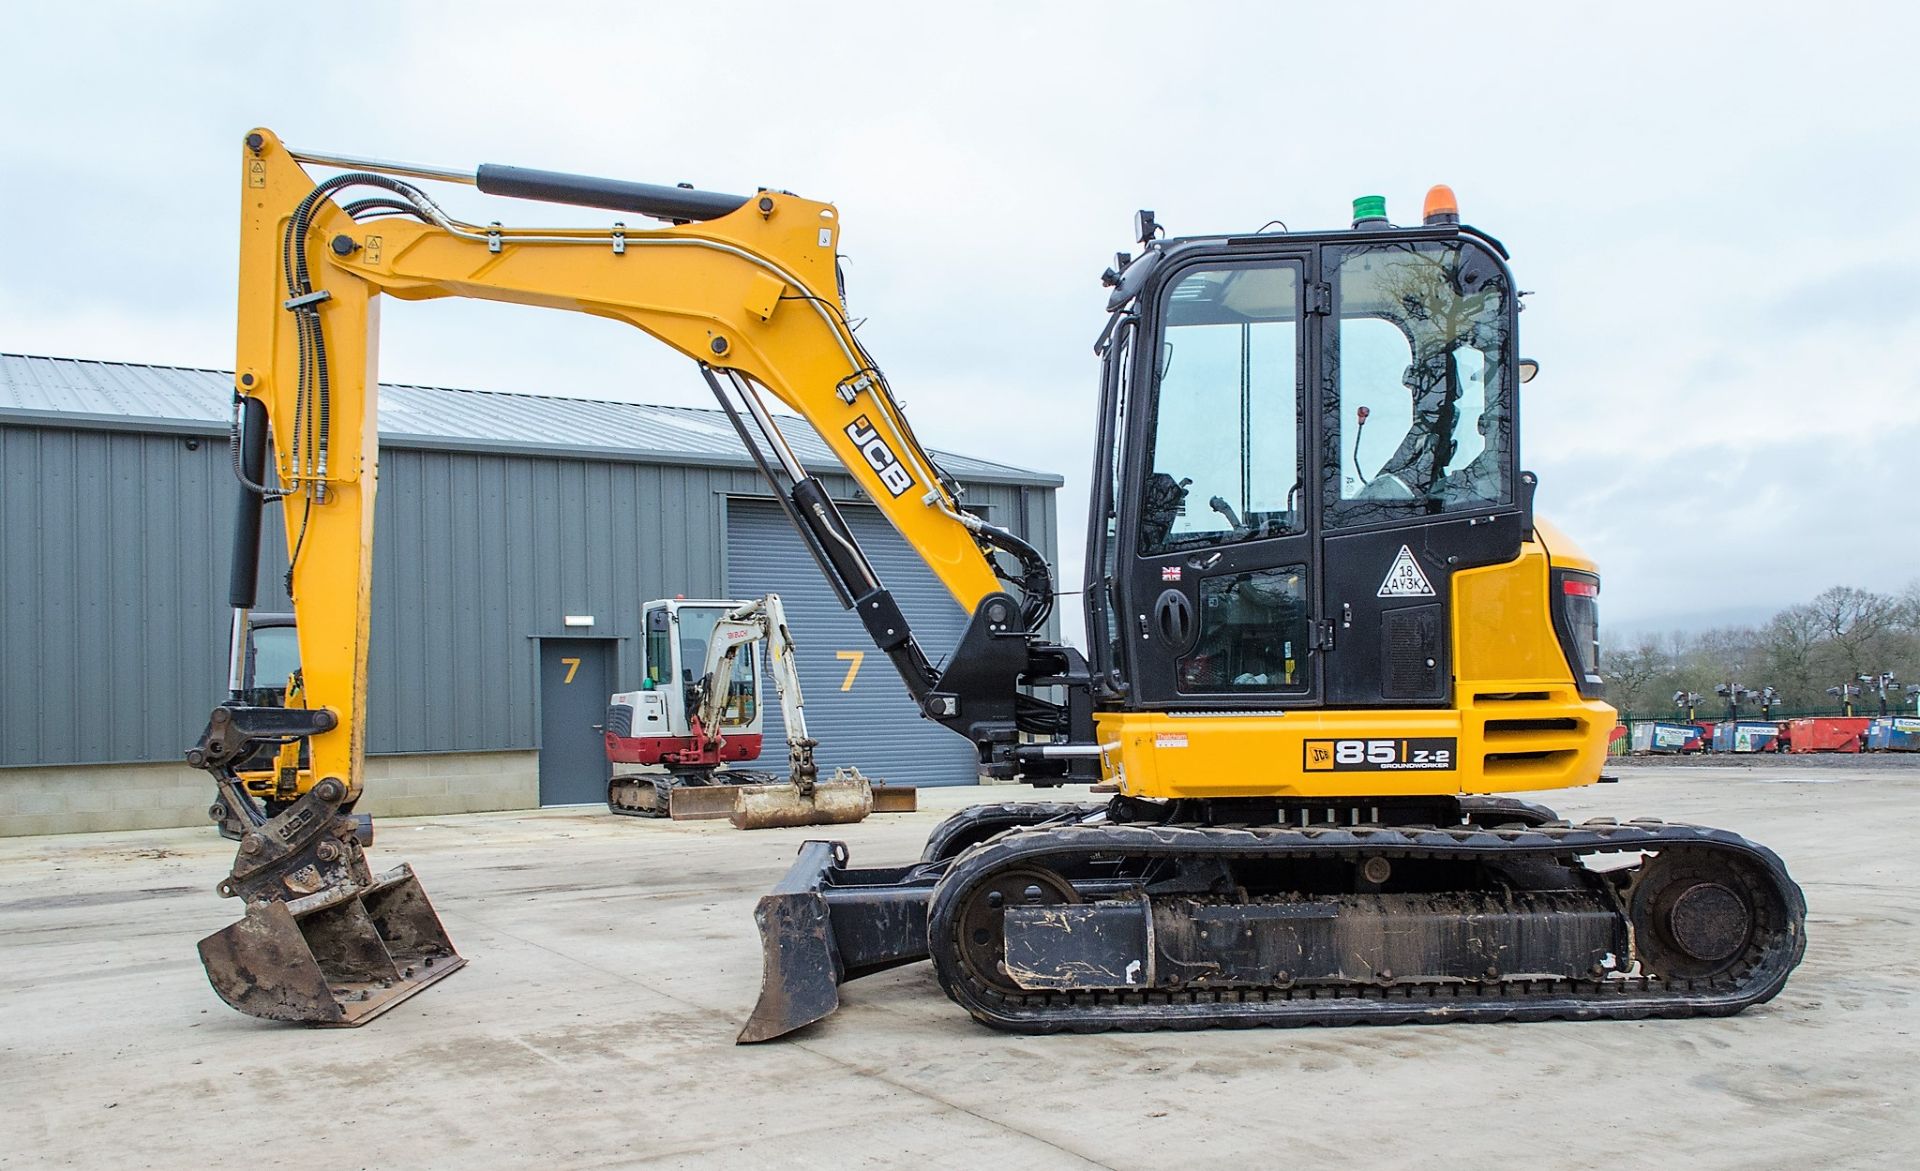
1404, 579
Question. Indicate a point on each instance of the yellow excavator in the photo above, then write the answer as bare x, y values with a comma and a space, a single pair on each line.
1328, 639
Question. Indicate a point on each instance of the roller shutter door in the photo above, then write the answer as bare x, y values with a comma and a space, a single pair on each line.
873, 722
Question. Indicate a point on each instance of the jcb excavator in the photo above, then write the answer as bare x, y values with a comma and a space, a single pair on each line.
692, 727
1311, 700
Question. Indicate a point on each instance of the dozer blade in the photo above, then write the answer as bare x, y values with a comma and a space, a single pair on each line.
825, 924
839, 801
895, 798
702, 802
341, 956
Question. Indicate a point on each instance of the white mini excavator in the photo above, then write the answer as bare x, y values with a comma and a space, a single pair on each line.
693, 727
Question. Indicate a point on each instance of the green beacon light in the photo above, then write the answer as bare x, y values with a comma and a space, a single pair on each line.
1370, 211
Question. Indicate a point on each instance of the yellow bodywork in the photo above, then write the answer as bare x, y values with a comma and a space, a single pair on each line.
755, 292
1518, 719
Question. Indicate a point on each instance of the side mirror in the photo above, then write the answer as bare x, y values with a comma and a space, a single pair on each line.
1528, 368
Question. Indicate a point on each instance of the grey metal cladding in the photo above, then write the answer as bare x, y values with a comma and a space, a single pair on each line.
34, 388
113, 574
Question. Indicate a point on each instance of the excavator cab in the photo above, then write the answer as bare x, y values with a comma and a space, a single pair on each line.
1310, 435
674, 658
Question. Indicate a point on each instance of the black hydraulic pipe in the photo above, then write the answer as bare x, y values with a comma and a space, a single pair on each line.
822, 517
243, 578
648, 199
874, 605
780, 490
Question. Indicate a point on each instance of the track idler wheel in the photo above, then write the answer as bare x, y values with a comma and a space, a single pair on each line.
1698, 915
981, 919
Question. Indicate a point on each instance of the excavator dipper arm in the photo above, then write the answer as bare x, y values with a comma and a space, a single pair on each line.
746, 286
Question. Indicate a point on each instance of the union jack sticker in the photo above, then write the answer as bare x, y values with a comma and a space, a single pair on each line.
1169, 573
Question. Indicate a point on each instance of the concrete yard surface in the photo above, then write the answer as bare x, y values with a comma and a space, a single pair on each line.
611, 962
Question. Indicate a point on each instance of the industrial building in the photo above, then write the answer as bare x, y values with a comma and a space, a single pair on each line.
517, 537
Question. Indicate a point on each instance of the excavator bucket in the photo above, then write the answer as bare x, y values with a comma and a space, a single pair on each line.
340, 956
847, 798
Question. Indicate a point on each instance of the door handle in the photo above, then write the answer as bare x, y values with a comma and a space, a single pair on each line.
1174, 614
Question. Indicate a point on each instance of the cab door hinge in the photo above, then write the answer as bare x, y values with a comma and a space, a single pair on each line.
1319, 298
1323, 634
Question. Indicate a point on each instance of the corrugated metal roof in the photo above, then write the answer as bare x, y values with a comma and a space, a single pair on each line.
135, 397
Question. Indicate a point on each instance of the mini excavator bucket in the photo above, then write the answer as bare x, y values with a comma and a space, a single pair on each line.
340, 956
323, 940
846, 798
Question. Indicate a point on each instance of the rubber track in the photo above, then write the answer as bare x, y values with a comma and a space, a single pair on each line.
664, 784
983, 821
1754, 980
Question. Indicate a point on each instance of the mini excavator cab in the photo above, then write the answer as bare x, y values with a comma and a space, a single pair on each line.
675, 654
1309, 435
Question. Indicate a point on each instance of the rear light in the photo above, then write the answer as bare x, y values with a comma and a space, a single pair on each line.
1576, 623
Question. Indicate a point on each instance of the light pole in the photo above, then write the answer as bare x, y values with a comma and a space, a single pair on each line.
1686, 701
1735, 695
1880, 683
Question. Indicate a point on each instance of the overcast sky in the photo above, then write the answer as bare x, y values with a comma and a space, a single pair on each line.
1714, 205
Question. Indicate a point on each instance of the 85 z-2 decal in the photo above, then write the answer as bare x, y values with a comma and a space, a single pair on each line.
1415, 753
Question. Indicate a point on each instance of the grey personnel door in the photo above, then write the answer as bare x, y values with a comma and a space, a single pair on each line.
575, 681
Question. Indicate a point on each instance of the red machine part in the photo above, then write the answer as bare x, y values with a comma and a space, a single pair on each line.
677, 750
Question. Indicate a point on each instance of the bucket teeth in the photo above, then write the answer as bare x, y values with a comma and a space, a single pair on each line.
340, 956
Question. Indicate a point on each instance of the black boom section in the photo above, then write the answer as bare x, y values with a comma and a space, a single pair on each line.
648, 199
250, 454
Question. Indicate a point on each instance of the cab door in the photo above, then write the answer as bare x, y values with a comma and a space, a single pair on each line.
1215, 535
1417, 439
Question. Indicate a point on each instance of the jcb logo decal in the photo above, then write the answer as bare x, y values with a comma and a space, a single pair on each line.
879, 455
1419, 753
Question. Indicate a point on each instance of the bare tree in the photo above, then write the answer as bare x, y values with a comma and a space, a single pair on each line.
1629, 673
1787, 646
1854, 624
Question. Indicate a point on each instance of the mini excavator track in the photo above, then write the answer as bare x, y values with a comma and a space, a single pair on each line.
1043, 918
1139, 925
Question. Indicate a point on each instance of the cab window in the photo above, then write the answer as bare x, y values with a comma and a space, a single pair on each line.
1225, 459
1424, 418
1253, 633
